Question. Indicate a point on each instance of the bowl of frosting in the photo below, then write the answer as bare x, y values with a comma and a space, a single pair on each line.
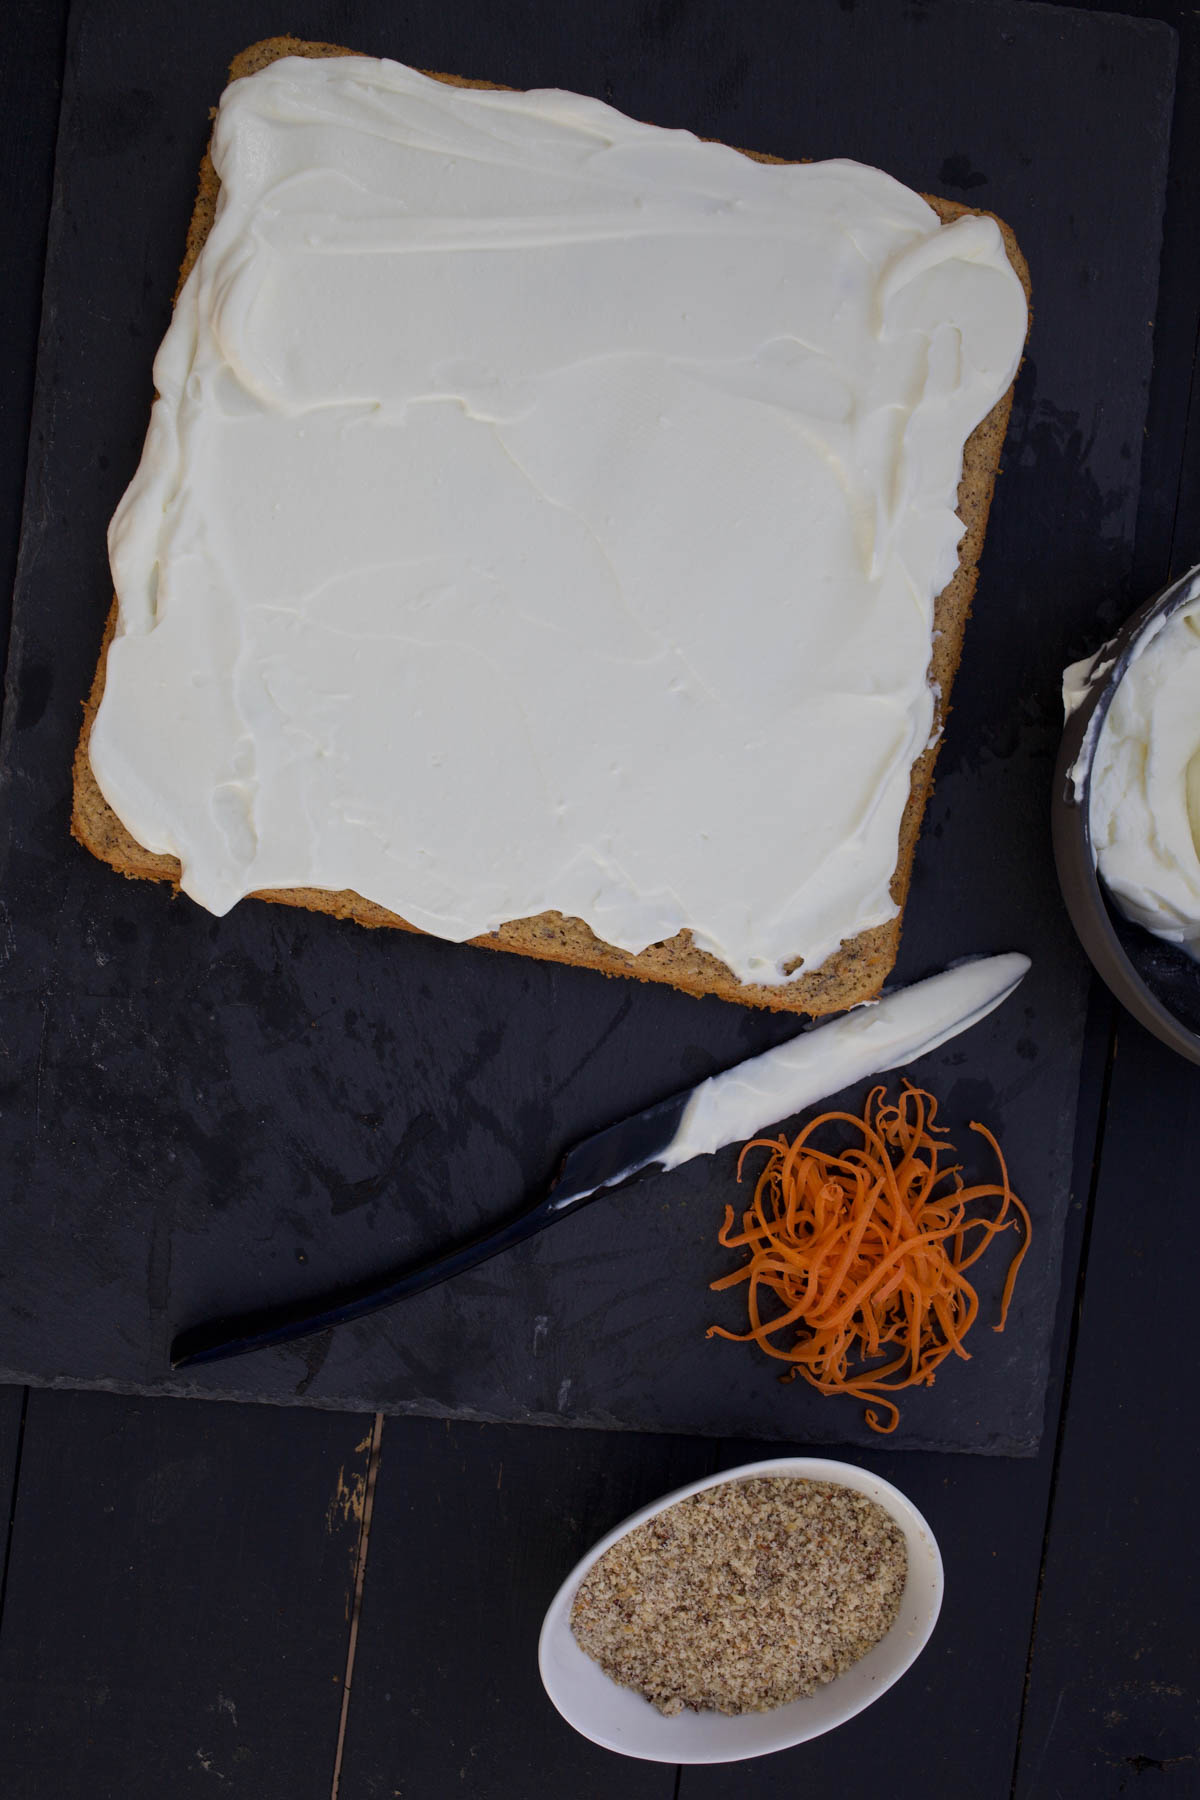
1126, 812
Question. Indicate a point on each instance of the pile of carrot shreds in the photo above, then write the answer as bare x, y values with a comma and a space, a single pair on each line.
865, 1250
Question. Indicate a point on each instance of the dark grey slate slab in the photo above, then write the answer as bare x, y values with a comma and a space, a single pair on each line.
202, 1115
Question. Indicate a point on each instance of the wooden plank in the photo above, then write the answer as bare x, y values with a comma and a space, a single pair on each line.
473, 1529
12, 1423
1169, 499
12, 1408
1114, 1682
1115, 1674
179, 1599
30, 81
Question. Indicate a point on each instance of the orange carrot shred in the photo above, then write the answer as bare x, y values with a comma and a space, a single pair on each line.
864, 1252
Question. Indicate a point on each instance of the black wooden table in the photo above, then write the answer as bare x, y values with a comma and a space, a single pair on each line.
200, 1597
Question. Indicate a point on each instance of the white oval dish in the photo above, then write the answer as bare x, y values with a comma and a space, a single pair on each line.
619, 1719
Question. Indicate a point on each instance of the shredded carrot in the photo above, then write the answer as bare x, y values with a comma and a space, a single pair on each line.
864, 1250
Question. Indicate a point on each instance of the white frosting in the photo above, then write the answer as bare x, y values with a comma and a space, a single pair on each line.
544, 510
1079, 679
896, 1030
1145, 790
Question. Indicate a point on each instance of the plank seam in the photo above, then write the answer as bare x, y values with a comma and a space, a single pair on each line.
12, 1500
360, 1575
1068, 1375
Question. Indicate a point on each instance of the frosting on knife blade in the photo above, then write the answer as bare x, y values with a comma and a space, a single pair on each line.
899, 1028
734, 1105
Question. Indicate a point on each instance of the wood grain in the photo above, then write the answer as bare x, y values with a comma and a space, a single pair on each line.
179, 1599
30, 85
951, 1724
447, 1697
1114, 1691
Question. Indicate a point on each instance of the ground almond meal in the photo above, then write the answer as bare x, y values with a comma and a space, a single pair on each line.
745, 1596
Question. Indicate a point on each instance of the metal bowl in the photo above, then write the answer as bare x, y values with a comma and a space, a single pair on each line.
1157, 982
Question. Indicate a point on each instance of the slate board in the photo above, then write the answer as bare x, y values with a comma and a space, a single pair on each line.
201, 1115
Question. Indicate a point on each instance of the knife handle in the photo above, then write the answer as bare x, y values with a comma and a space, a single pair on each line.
216, 1339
